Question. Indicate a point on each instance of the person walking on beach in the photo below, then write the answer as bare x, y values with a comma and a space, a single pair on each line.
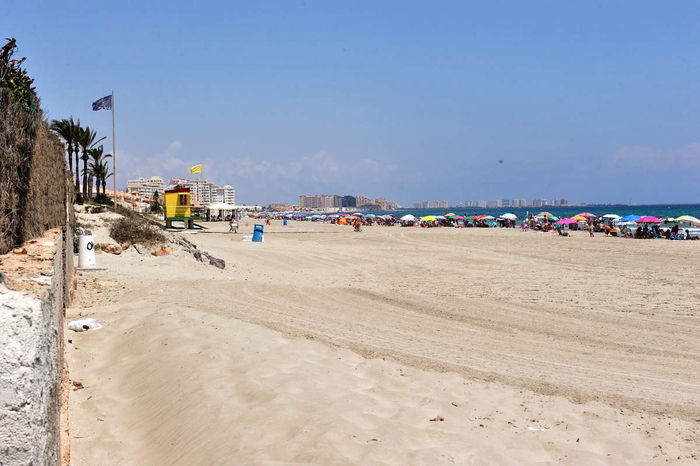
590, 227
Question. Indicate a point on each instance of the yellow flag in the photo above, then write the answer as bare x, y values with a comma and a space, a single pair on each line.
196, 169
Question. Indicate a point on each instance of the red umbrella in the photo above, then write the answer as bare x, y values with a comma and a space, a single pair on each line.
566, 221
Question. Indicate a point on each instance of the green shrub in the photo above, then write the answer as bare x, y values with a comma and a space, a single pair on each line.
103, 199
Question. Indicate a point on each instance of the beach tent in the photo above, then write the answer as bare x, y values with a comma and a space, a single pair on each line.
221, 206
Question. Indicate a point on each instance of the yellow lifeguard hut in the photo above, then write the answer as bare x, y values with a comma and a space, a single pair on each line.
178, 206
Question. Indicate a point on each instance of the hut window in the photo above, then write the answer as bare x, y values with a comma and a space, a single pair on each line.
183, 199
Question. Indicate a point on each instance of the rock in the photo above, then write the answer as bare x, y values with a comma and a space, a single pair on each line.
220, 263
162, 251
111, 248
20, 251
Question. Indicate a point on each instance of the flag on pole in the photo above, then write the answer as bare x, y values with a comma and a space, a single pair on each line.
105, 103
196, 169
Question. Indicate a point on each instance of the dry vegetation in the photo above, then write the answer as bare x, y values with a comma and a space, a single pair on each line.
34, 181
133, 228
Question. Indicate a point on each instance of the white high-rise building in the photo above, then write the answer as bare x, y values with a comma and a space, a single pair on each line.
145, 187
206, 192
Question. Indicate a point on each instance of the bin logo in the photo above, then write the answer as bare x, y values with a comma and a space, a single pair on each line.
90, 246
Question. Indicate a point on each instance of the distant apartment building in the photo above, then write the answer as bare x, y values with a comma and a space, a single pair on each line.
481, 203
145, 187
539, 202
563, 202
348, 201
506, 203
469, 204
519, 203
364, 200
554, 202
432, 205
205, 192
319, 201
493, 204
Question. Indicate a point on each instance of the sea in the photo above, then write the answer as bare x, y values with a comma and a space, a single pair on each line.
656, 210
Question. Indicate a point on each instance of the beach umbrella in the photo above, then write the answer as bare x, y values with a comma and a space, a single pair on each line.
587, 214
479, 217
440, 217
613, 216
450, 215
459, 217
629, 218
649, 219
544, 214
428, 218
509, 216
487, 217
689, 219
368, 216
408, 218
579, 218
566, 221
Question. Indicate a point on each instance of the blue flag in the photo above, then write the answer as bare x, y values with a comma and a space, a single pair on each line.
105, 103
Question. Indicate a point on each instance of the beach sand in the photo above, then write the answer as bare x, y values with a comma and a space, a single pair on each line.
390, 346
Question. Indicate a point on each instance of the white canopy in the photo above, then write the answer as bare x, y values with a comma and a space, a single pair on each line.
221, 206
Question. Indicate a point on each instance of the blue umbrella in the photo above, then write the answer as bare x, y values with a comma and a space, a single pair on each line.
629, 218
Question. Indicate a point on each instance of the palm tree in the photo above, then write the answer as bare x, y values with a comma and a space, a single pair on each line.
68, 130
96, 167
86, 140
100, 171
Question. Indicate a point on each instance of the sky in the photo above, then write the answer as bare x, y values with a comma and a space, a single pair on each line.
591, 101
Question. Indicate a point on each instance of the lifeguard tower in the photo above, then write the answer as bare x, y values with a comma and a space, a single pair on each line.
178, 206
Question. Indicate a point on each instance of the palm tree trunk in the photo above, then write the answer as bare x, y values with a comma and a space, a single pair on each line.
77, 169
70, 159
85, 174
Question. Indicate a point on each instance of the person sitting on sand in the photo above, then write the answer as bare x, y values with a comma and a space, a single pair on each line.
358, 225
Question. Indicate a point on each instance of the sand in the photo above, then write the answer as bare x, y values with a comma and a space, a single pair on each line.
390, 346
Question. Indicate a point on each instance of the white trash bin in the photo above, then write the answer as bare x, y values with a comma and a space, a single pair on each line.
86, 252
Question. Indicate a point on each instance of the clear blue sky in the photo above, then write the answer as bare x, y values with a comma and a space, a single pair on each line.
405, 100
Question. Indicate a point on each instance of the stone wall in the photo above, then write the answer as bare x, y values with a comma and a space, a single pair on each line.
36, 284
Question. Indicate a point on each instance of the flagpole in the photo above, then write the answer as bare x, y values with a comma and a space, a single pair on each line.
114, 152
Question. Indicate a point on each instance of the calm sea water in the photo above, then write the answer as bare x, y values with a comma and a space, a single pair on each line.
658, 210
